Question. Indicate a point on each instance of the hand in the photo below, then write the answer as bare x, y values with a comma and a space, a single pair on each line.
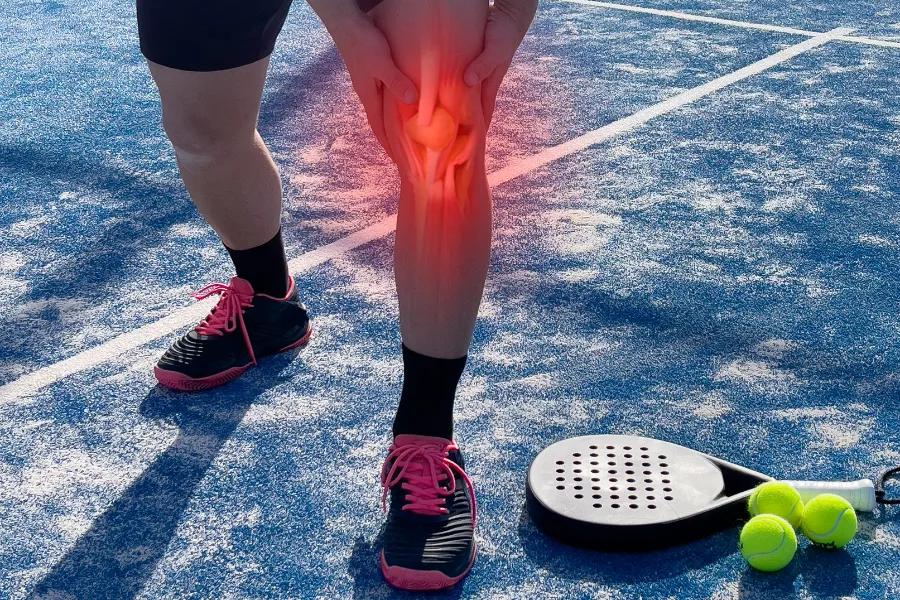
367, 55
508, 22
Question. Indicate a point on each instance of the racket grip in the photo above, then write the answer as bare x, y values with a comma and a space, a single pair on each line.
860, 494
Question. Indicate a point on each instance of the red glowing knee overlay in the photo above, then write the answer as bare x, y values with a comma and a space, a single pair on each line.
436, 143
435, 136
439, 154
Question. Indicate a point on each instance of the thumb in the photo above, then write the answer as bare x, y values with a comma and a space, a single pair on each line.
479, 69
399, 84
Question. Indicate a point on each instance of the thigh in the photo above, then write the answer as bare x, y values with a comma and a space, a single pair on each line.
203, 108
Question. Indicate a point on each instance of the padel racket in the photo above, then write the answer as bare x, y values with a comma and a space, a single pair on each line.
623, 492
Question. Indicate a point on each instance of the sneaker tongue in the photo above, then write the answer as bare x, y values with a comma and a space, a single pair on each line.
242, 286
405, 439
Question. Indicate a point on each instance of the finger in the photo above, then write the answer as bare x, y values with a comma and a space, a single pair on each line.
494, 54
394, 80
489, 89
373, 102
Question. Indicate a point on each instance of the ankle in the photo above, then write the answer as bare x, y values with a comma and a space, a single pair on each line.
429, 389
264, 267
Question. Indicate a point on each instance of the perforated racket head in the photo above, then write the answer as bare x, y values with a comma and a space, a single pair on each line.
622, 492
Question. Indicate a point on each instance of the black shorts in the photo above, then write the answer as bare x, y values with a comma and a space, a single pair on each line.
212, 35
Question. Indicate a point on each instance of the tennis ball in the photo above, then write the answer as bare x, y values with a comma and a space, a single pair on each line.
829, 521
768, 542
777, 498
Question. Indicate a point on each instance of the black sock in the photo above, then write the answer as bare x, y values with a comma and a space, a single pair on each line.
429, 387
265, 267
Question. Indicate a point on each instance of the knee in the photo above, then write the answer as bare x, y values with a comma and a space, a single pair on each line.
201, 140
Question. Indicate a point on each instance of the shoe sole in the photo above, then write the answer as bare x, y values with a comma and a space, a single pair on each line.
182, 383
414, 580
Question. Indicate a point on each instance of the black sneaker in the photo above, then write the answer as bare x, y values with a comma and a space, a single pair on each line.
241, 328
429, 536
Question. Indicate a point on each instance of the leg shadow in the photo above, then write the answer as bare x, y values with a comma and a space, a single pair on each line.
114, 559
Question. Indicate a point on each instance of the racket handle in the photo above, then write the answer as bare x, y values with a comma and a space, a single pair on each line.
860, 494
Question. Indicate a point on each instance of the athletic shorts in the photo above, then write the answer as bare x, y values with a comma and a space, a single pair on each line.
212, 35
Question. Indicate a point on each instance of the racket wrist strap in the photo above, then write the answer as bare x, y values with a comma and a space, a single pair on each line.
880, 496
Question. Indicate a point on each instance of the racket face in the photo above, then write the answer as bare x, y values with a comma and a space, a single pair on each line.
622, 480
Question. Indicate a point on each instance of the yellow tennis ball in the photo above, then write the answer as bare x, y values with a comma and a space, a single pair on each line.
776, 498
829, 521
768, 542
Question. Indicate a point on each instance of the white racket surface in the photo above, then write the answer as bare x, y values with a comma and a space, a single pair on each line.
624, 480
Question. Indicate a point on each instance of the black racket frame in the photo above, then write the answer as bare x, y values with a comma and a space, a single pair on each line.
728, 510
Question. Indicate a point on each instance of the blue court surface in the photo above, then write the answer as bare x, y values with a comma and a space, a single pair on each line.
684, 250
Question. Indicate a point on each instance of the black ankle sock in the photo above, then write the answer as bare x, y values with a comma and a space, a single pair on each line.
429, 387
265, 267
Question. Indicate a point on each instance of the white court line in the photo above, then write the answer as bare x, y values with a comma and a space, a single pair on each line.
32, 382
689, 17
869, 41
729, 22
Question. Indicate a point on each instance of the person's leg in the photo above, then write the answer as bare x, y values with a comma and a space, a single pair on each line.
441, 258
209, 62
443, 235
210, 118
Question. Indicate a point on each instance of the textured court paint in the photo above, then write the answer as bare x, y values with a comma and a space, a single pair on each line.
875, 18
728, 283
729, 22
26, 385
690, 17
130, 271
177, 320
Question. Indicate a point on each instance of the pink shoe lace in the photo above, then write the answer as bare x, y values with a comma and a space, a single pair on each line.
426, 473
228, 312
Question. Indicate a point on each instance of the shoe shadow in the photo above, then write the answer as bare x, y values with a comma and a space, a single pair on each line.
369, 583
114, 559
363, 568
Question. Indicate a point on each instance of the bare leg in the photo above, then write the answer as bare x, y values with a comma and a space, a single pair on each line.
443, 236
210, 118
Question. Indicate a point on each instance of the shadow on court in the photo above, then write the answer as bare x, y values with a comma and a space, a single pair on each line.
369, 583
144, 209
149, 208
114, 559
781, 585
87, 271
297, 92
824, 573
611, 569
